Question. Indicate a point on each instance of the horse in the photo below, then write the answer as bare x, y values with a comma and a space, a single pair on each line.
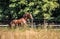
18, 22
21, 21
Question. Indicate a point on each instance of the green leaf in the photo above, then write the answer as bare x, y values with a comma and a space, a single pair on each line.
36, 11
12, 5
22, 2
26, 9
20, 11
45, 0
13, 0
1, 10
31, 4
46, 16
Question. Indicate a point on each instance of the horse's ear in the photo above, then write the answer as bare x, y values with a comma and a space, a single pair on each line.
24, 15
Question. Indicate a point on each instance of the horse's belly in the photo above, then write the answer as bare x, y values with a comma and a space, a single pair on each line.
23, 21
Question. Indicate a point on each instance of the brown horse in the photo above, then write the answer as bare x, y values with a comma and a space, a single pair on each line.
21, 21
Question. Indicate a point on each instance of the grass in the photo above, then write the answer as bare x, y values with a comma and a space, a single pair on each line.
29, 33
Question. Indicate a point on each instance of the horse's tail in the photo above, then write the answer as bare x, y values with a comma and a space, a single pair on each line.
10, 24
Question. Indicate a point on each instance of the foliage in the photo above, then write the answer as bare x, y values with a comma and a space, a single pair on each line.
14, 9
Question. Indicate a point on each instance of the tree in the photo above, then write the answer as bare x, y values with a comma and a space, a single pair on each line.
40, 9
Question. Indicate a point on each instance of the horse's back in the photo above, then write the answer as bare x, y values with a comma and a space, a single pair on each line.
13, 21
22, 20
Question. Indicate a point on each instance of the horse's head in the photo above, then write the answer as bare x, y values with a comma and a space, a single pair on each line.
28, 15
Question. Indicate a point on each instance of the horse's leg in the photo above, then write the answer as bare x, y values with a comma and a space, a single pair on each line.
16, 25
21, 24
12, 25
25, 25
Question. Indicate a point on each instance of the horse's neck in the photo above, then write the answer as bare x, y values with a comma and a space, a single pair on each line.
25, 18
